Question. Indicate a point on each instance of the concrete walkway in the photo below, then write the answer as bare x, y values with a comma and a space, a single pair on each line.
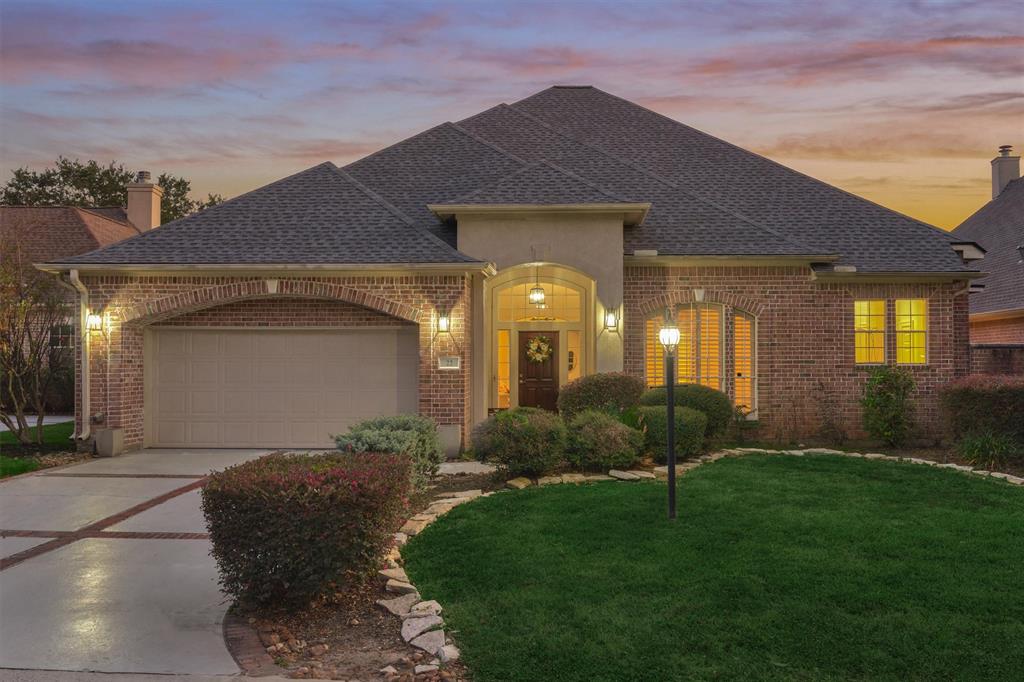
105, 567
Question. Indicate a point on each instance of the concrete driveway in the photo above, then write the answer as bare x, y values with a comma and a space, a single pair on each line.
105, 567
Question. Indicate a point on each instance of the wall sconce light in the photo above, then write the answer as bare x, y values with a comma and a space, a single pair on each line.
611, 321
94, 322
444, 323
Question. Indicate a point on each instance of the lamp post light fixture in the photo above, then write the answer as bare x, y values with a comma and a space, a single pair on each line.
669, 338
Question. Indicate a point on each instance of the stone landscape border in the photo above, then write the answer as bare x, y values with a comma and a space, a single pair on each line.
422, 623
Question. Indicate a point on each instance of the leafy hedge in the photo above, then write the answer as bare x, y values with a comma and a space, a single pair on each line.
287, 528
612, 392
715, 405
406, 434
599, 441
523, 441
984, 403
690, 428
888, 411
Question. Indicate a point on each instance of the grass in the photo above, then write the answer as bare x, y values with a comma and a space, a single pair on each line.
12, 466
53, 434
778, 568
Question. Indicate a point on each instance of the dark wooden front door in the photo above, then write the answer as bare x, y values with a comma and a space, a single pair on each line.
538, 381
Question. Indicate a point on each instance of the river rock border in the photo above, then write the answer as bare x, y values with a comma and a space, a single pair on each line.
422, 623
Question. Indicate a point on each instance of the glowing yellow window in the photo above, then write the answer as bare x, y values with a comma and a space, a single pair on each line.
911, 331
743, 361
699, 354
869, 332
504, 369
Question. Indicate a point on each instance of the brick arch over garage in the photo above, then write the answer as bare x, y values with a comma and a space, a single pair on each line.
150, 312
674, 298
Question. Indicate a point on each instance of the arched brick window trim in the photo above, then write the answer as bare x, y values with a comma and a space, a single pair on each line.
685, 296
150, 312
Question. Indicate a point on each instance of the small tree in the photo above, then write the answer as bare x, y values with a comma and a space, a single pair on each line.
888, 412
32, 305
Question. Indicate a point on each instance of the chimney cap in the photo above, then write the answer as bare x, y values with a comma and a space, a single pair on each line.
1005, 149
142, 176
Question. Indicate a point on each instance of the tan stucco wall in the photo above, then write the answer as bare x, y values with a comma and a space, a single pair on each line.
590, 243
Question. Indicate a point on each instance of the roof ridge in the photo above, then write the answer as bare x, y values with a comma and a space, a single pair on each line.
397, 212
663, 180
488, 143
939, 230
580, 178
531, 166
395, 144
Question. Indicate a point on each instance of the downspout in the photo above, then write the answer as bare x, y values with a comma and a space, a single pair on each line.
83, 311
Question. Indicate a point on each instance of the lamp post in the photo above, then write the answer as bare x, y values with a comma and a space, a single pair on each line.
669, 338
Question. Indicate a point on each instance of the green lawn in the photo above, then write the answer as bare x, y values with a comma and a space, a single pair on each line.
780, 568
53, 434
12, 466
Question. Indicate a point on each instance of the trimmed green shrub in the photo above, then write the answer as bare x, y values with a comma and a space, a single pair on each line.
597, 440
523, 441
989, 450
288, 528
611, 392
406, 434
714, 404
985, 403
888, 411
690, 427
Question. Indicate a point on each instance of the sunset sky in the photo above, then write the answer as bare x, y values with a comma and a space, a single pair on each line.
903, 102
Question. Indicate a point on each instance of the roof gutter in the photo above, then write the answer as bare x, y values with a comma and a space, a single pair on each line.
881, 277
83, 346
653, 258
265, 268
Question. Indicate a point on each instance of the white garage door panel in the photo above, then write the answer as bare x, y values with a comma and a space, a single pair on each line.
267, 388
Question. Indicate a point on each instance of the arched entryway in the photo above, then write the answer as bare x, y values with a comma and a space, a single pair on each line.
540, 333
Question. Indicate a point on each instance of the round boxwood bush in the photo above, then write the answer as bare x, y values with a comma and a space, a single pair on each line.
407, 434
288, 528
609, 392
690, 428
523, 441
599, 441
714, 404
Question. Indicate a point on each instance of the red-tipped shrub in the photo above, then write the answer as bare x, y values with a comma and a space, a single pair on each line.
287, 528
985, 403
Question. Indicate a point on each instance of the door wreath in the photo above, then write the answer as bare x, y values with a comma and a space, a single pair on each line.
538, 349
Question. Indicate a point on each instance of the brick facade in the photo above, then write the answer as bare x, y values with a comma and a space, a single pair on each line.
997, 358
132, 303
805, 339
1009, 330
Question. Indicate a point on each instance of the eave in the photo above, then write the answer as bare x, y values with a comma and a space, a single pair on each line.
263, 269
728, 260
880, 277
993, 315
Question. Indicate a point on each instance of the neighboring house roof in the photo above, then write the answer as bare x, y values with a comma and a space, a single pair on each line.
708, 197
320, 215
998, 227
49, 233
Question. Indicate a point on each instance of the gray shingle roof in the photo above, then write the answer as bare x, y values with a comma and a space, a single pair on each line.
998, 227
320, 215
562, 145
539, 183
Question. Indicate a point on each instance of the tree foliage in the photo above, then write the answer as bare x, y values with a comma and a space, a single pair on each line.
33, 304
88, 184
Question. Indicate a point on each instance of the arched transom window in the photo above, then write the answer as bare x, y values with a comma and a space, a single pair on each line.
717, 348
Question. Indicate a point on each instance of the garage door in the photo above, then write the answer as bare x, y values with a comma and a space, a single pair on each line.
267, 388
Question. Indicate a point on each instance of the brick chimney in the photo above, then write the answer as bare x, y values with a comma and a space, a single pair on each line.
1004, 169
144, 202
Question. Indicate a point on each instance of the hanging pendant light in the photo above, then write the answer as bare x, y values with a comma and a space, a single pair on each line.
537, 295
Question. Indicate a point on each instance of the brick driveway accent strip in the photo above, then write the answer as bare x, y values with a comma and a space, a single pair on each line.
95, 529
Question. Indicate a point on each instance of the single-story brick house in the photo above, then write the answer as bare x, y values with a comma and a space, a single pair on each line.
415, 279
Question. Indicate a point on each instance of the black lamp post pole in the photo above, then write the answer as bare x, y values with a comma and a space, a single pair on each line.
670, 392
